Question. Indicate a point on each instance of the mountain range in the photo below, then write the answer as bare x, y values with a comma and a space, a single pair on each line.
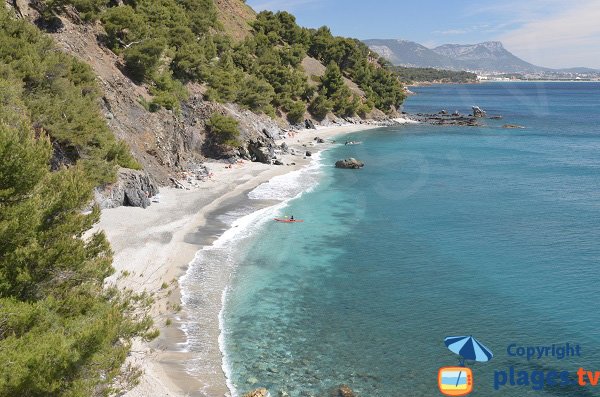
489, 56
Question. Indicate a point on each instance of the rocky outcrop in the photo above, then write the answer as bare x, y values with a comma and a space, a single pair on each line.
309, 125
166, 143
350, 163
478, 112
443, 119
261, 151
343, 391
262, 392
133, 189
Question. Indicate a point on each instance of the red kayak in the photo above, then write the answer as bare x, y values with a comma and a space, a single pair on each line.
288, 220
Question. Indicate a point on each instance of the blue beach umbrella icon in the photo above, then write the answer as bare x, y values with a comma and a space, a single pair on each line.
468, 348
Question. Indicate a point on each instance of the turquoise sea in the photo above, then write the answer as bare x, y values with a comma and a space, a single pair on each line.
481, 231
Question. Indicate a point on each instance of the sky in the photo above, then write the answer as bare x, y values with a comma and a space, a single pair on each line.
550, 33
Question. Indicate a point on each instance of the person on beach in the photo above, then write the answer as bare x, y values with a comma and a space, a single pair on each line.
292, 218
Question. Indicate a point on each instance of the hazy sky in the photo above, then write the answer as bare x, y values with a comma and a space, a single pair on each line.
551, 33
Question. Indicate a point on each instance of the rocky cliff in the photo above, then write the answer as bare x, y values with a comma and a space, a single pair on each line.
166, 143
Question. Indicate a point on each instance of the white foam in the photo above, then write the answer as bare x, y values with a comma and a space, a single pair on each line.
225, 362
284, 188
290, 185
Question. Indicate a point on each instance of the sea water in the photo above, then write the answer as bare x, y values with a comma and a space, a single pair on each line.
482, 231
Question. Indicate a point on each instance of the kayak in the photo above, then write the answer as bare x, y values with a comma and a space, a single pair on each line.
288, 220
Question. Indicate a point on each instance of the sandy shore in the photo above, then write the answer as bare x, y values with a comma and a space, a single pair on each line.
153, 248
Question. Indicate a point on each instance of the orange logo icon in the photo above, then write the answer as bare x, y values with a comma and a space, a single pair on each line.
455, 381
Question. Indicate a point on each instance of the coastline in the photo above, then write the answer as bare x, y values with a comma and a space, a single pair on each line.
154, 247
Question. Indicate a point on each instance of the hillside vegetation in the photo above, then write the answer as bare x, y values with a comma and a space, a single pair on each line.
167, 43
61, 332
431, 75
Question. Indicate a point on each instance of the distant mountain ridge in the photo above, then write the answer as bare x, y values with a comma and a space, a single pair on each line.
489, 56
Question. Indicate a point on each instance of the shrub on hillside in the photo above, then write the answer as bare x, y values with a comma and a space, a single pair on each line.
224, 130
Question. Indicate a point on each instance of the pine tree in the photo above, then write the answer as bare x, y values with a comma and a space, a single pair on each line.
61, 332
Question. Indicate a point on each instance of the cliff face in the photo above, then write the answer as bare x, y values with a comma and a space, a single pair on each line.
164, 142
167, 143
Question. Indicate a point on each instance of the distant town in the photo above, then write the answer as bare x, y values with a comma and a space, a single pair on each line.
543, 76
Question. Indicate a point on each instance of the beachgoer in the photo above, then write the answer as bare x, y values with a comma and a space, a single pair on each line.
292, 218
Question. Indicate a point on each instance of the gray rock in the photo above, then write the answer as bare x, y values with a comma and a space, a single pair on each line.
132, 189
277, 162
308, 153
350, 163
478, 112
512, 126
269, 134
309, 124
260, 152
284, 148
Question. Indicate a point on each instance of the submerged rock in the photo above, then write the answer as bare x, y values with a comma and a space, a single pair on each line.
343, 391
262, 392
512, 126
350, 163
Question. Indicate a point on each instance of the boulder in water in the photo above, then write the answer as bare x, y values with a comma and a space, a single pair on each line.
478, 112
343, 391
262, 392
350, 163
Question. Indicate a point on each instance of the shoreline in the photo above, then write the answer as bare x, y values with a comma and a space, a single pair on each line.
153, 249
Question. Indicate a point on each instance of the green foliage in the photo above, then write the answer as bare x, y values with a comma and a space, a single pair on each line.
61, 332
256, 94
224, 130
320, 106
89, 9
183, 37
332, 81
123, 26
296, 112
60, 98
415, 75
357, 62
141, 60
168, 92
280, 28
332, 87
